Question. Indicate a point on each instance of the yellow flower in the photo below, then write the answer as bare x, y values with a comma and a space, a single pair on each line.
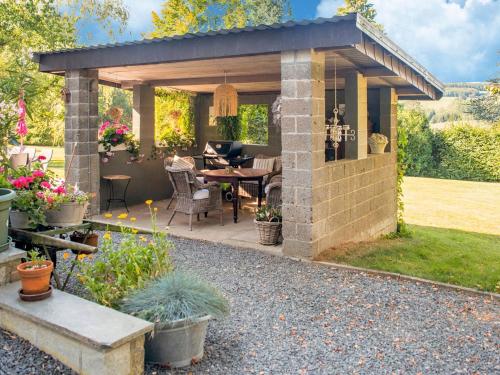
108, 215
149, 202
107, 236
81, 257
135, 231
155, 209
133, 219
66, 256
142, 238
122, 216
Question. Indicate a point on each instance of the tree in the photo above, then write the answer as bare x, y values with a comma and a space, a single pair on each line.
179, 17
486, 108
40, 25
362, 7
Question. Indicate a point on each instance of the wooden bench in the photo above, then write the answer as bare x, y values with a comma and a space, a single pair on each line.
87, 337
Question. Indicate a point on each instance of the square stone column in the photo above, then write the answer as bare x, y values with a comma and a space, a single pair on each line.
389, 116
303, 147
356, 108
143, 116
80, 134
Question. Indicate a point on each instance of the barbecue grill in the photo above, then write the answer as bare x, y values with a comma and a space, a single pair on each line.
221, 154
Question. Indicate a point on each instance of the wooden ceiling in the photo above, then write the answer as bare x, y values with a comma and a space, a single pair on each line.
258, 74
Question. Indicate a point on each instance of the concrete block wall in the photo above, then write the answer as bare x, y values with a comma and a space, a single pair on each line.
358, 200
80, 134
303, 148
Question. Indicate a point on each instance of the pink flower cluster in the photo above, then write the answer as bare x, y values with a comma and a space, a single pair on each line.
119, 128
24, 182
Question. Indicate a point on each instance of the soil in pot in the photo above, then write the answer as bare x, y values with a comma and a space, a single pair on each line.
6, 196
179, 345
35, 276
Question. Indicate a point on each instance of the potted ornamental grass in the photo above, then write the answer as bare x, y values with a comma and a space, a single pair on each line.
66, 204
268, 221
377, 143
181, 306
35, 277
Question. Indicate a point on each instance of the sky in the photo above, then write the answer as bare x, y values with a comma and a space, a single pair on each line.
456, 40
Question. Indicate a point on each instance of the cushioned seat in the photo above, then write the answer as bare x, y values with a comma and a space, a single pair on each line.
201, 194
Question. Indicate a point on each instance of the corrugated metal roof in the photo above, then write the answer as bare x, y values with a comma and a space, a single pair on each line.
236, 30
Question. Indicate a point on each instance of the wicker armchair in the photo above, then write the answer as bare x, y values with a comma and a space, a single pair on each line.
250, 189
186, 162
193, 197
273, 192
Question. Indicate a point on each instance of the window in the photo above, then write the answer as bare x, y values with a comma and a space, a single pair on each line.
254, 121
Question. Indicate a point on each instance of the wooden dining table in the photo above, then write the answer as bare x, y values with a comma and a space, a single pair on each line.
234, 177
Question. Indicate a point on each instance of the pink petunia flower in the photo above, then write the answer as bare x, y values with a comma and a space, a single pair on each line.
42, 158
38, 173
46, 185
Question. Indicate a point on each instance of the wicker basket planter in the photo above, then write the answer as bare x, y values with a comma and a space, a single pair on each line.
269, 232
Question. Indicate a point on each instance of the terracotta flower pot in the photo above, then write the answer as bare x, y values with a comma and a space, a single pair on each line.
35, 280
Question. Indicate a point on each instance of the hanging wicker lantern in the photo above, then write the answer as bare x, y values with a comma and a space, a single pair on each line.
225, 101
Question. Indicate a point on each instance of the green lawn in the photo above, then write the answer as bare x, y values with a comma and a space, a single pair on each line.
456, 236
447, 255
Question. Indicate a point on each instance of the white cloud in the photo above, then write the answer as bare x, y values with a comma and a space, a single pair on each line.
140, 14
456, 40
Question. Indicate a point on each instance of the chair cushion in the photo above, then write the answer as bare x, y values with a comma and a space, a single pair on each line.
266, 164
201, 194
180, 163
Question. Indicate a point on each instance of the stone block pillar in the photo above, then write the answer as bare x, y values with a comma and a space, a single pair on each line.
303, 147
80, 134
143, 116
389, 116
356, 107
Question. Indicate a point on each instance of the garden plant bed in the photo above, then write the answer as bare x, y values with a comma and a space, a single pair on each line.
289, 316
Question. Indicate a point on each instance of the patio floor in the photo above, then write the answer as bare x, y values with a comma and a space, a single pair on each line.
242, 234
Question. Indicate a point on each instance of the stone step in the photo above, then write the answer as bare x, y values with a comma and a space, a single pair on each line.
89, 338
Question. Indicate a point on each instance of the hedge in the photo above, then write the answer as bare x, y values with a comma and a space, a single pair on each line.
462, 152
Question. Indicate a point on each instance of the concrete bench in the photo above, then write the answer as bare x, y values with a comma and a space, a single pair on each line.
89, 338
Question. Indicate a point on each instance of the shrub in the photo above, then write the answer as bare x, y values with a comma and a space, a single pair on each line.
466, 152
127, 266
462, 152
177, 296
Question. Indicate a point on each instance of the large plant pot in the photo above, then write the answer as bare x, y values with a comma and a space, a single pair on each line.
20, 220
178, 345
6, 197
66, 214
35, 280
269, 232
377, 148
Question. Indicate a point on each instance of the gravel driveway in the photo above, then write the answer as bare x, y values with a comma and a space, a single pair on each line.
290, 317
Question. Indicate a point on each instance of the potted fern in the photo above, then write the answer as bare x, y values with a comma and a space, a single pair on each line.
180, 305
268, 221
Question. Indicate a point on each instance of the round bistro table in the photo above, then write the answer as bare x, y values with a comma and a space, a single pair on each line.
234, 178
